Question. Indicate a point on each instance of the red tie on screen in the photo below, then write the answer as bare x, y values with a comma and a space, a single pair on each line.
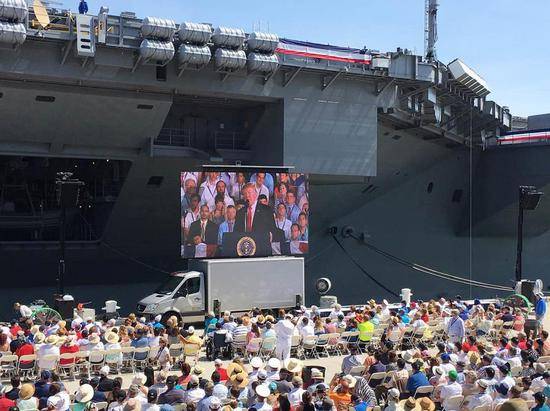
249, 219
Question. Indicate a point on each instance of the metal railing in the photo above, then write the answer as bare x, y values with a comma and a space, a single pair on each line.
174, 137
230, 140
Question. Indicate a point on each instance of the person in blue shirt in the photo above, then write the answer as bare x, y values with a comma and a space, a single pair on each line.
404, 317
540, 400
140, 341
210, 322
83, 7
540, 310
417, 379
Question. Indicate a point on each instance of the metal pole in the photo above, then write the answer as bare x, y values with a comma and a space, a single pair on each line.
520, 237
61, 266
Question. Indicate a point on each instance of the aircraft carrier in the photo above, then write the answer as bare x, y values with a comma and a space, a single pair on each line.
406, 153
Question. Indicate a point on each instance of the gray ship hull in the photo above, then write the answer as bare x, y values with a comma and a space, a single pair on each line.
395, 147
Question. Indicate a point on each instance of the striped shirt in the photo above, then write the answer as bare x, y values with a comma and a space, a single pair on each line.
240, 330
365, 392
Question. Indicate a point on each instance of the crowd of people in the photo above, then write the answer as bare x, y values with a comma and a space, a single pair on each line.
274, 207
470, 366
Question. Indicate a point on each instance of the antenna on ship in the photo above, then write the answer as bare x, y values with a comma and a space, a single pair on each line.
430, 29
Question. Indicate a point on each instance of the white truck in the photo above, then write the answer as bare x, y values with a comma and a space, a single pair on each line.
236, 285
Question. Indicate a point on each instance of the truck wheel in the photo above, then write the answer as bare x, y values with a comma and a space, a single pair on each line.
169, 314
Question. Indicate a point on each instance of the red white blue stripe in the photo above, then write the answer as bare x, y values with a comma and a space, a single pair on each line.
323, 52
522, 137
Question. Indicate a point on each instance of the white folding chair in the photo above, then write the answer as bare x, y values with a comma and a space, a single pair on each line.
26, 367
238, 345
423, 391
48, 362
113, 358
153, 352
453, 403
253, 347
353, 340
343, 342
127, 358
308, 345
376, 379
97, 360
321, 345
267, 349
66, 364
82, 363
296, 346
8, 365
176, 350
102, 405
357, 370
332, 346
141, 357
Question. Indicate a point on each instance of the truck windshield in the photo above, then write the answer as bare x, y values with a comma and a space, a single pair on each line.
169, 286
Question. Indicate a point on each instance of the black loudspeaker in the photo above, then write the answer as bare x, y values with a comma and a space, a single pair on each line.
529, 197
65, 308
526, 289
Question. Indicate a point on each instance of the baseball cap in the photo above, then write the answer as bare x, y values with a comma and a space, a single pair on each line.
215, 403
262, 375
453, 375
217, 361
263, 390
321, 387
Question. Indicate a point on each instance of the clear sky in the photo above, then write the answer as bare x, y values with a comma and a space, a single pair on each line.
505, 41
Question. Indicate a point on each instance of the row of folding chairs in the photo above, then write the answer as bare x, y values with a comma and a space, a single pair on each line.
315, 346
89, 362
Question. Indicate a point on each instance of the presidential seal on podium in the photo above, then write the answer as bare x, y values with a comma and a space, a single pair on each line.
246, 247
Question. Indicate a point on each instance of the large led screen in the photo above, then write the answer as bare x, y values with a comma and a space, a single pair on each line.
250, 213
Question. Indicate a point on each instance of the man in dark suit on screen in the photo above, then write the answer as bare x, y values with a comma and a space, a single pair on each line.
254, 217
204, 228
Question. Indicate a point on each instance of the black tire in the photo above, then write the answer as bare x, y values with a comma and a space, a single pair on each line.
169, 314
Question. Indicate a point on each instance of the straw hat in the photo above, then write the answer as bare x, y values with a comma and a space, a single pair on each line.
70, 340
52, 339
316, 374
139, 379
350, 379
293, 365
198, 370
85, 393
239, 380
234, 368
111, 338
94, 339
409, 404
425, 404
26, 391
35, 329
